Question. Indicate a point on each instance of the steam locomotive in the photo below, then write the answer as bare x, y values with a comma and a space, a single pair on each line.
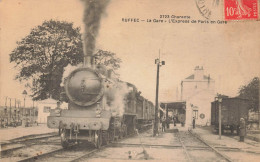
101, 108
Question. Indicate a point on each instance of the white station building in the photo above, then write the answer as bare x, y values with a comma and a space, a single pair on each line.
198, 90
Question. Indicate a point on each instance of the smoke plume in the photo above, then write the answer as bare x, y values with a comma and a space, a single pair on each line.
118, 104
92, 16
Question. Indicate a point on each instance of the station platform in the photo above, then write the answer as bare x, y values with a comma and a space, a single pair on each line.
227, 140
252, 136
10, 133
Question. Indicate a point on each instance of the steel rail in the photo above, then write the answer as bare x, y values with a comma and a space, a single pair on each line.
22, 142
34, 158
184, 147
28, 138
85, 155
213, 148
160, 146
102, 148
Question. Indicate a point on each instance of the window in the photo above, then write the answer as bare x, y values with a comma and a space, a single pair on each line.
46, 109
195, 114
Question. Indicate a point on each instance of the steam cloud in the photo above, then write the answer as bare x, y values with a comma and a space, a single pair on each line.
118, 104
67, 70
92, 15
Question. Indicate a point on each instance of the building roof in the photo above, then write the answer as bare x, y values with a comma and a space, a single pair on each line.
191, 77
173, 105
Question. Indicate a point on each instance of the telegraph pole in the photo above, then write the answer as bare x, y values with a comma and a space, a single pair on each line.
6, 112
219, 115
156, 123
259, 105
219, 119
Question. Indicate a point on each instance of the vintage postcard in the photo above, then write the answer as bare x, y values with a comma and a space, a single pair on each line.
116, 80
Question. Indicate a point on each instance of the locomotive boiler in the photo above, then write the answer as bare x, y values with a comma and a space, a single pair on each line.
101, 108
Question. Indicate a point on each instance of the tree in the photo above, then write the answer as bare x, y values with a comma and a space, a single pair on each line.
251, 92
42, 55
108, 59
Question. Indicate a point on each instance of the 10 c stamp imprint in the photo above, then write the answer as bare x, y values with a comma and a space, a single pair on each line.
241, 9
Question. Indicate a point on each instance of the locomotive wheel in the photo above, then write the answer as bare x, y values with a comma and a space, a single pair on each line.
64, 139
98, 138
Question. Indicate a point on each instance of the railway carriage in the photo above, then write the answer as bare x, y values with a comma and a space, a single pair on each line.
232, 109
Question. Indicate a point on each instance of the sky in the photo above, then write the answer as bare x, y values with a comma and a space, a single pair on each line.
230, 52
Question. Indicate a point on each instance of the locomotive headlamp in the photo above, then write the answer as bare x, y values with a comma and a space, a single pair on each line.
98, 113
57, 112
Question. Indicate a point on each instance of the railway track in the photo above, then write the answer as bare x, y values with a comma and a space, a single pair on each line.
192, 146
21, 148
183, 136
48, 149
29, 138
77, 153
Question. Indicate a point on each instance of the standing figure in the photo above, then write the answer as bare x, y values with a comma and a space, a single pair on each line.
163, 124
168, 123
174, 120
242, 129
193, 122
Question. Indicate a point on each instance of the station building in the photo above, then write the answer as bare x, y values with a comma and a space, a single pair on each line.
198, 91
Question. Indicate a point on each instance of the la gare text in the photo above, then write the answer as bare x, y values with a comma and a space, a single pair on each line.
171, 20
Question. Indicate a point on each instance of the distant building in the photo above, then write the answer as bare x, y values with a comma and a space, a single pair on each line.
198, 90
44, 107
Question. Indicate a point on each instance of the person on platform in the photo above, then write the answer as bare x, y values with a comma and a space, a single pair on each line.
193, 122
168, 122
163, 124
242, 129
174, 120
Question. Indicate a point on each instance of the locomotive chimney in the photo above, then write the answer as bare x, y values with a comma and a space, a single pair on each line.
92, 16
87, 57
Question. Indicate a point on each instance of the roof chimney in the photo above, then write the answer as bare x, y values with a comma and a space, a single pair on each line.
198, 73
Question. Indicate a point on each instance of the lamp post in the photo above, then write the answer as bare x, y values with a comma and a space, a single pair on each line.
10, 119
24, 96
18, 111
219, 116
156, 123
